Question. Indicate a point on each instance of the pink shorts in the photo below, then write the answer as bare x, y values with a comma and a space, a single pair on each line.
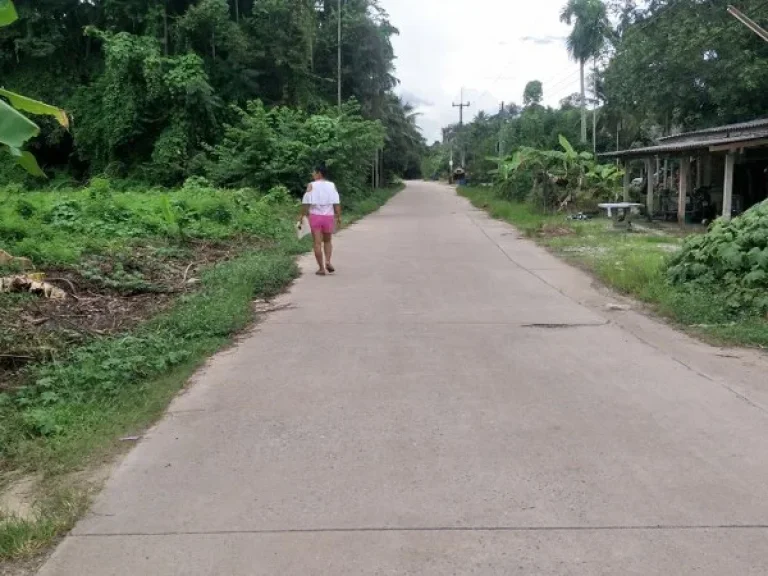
320, 223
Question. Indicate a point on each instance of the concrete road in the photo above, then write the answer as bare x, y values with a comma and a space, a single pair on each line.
454, 401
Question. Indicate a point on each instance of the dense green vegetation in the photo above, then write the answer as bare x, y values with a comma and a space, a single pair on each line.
556, 178
155, 87
731, 259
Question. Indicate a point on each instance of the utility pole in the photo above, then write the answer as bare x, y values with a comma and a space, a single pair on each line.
461, 105
338, 54
748, 22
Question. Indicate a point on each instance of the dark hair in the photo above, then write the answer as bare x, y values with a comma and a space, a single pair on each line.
322, 170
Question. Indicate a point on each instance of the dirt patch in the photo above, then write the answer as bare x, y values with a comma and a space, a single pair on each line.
18, 499
585, 250
26, 567
105, 296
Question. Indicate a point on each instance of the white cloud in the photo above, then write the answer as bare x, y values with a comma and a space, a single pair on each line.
490, 48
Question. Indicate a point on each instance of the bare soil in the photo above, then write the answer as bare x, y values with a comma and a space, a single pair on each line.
104, 297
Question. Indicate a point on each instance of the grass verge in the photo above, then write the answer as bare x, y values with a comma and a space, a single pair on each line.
72, 412
631, 263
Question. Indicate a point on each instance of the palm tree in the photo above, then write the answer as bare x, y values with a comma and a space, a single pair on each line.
586, 40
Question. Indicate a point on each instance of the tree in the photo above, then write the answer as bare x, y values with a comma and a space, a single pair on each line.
404, 143
153, 83
586, 40
686, 65
533, 94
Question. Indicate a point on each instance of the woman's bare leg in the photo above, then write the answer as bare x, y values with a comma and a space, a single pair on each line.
318, 246
328, 246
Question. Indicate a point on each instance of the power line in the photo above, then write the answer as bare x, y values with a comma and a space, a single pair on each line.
563, 81
564, 71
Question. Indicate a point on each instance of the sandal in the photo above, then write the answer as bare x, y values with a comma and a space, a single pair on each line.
330, 269
320, 273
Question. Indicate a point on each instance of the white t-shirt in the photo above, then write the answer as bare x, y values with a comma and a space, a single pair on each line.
321, 198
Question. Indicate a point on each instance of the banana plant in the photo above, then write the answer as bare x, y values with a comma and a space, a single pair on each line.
15, 128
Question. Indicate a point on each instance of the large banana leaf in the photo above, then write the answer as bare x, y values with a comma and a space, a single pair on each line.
35, 107
15, 128
569, 150
27, 161
7, 12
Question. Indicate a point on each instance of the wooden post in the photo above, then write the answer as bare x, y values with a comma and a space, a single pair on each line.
685, 178
699, 171
625, 165
666, 172
730, 164
706, 168
649, 193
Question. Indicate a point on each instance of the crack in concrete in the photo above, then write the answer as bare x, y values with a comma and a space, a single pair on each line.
556, 326
605, 528
645, 341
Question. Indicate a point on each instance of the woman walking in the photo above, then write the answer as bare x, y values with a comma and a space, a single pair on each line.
321, 203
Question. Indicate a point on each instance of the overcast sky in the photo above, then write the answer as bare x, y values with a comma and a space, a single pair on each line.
491, 48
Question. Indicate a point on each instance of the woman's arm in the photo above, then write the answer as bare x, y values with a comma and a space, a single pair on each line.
337, 206
305, 203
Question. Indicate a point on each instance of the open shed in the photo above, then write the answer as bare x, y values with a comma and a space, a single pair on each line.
717, 171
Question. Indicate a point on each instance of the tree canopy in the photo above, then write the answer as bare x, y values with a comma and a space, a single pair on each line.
152, 86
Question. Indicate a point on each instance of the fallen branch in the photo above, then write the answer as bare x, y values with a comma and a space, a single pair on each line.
68, 282
184, 279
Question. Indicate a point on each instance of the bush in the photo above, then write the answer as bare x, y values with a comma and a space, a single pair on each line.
147, 113
281, 146
732, 258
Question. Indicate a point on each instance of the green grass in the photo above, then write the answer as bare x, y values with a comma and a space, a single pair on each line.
55, 515
633, 263
524, 216
71, 413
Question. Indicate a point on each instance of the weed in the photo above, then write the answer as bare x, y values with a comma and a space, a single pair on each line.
57, 513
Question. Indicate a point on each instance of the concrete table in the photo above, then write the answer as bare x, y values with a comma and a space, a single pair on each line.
621, 212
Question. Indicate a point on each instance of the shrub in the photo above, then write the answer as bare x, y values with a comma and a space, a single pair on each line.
731, 258
281, 146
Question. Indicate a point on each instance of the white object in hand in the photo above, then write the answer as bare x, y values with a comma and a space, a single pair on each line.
302, 228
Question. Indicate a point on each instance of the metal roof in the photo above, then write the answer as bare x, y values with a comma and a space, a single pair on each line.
746, 132
728, 128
